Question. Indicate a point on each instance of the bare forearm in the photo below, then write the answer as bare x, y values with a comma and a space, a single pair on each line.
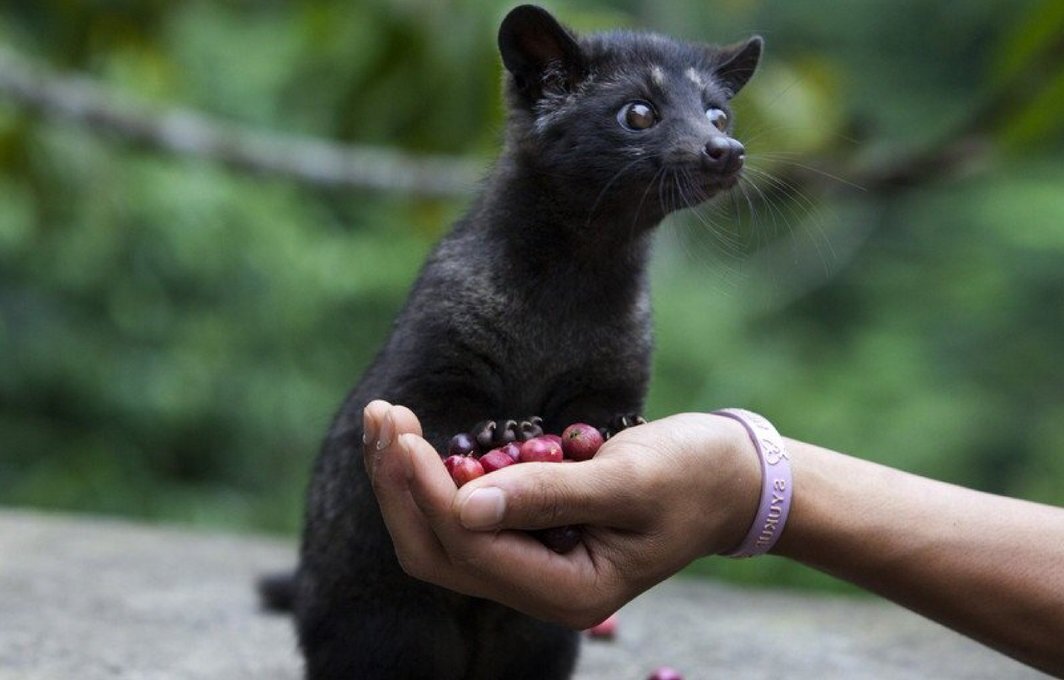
987, 566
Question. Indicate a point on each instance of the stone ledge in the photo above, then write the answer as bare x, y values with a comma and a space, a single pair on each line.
93, 598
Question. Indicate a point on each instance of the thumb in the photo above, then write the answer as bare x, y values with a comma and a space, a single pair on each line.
544, 495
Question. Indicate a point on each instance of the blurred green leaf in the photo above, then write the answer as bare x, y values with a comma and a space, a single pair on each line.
1042, 120
1034, 36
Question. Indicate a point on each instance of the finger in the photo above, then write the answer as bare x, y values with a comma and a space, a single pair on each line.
543, 495
434, 493
517, 570
508, 566
416, 546
436, 549
431, 485
404, 421
415, 494
373, 416
432, 490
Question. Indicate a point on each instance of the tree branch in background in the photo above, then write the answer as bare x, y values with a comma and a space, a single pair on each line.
322, 163
312, 161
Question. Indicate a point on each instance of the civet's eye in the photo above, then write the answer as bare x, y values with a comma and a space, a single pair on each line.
637, 115
718, 118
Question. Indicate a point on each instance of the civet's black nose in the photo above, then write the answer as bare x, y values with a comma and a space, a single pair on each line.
723, 154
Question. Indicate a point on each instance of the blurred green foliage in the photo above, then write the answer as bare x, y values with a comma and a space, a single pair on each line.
175, 336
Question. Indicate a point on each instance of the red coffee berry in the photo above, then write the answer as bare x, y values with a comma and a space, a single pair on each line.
666, 673
541, 450
464, 469
554, 438
495, 459
606, 630
513, 450
450, 461
581, 441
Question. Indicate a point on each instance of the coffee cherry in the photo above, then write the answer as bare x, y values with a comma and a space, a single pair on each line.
541, 450
559, 539
495, 459
463, 468
606, 630
450, 461
513, 450
578, 442
462, 445
581, 441
666, 673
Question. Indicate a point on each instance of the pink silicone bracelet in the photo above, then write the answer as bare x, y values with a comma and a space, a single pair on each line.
776, 484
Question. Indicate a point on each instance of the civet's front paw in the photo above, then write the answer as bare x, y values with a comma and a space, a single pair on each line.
621, 422
493, 433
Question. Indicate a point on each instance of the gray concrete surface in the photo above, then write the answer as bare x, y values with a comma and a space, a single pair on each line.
93, 599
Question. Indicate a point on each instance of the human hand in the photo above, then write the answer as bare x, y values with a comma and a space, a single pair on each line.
654, 498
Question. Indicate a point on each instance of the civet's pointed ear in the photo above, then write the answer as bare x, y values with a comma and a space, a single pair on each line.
538, 51
737, 63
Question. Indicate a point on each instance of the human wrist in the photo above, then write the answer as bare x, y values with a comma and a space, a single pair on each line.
734, 478
776, 486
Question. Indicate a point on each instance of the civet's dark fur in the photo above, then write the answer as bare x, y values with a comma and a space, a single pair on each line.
536, 302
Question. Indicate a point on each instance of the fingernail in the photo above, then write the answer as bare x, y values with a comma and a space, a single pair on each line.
384, 438
484, 508
369, 434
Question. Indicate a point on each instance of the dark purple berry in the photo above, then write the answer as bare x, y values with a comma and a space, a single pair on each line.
559, 539
462, 445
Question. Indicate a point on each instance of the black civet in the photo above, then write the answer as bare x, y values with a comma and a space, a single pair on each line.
535, 303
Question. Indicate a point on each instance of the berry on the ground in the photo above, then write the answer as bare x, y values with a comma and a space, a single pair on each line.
605, 630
